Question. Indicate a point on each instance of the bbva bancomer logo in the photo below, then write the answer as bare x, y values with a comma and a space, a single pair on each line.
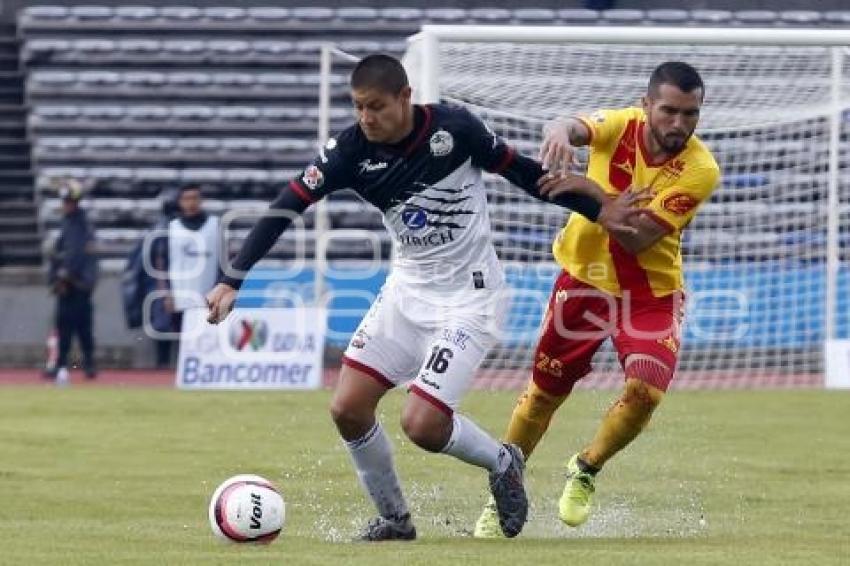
249, 334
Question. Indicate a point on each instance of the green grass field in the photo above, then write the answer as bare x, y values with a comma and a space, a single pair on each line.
122, 476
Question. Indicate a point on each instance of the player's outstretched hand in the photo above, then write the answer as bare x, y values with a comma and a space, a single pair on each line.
220, 302
556, 151
554, 184
616, 214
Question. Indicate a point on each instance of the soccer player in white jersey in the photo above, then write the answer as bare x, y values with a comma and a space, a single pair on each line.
437, 314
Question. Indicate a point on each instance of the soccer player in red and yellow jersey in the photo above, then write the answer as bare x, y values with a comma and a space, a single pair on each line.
626, 286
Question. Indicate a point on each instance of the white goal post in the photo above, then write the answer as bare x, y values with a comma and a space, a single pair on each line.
766, 259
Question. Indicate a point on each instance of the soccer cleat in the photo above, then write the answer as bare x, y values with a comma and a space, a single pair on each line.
509, 493
574, 505
381, 528
487, 525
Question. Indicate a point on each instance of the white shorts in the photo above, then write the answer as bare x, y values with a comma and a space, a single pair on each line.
404, 338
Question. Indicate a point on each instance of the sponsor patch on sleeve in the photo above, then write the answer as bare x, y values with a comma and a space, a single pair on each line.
679, 203
313, 178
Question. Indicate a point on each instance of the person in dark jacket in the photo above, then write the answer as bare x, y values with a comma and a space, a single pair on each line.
72, 278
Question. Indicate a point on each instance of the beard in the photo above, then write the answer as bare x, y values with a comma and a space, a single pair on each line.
671, 143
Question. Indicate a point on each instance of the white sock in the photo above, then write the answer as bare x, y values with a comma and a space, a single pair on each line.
373, 459
471, 444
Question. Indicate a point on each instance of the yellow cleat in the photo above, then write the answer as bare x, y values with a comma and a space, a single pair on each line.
487, 525
574, 505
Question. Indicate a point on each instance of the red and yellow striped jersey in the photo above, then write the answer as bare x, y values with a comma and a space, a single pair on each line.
679, 185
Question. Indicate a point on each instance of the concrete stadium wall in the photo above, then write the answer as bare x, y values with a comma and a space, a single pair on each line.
28, 314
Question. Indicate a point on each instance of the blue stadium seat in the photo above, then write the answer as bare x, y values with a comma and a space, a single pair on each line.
313, 15
284, 145
571, 16
269, 15
193, 112
711, 17
136, 14
64, 112
201, 175
308, 47
99, 78
89, 47
838, 17
233, 113
272, 47
446, 15
225, 14
233, 79
277, 80
246, 175
180, 13
667, 16
800, 17
139, 46
198, 145
110, 173
402, 15
106, 143
91, 13
623, 16
183, 47
148, 112
45, 13
535, 16
242, 145
359, 15
160, 174
228, 47
108, 112
756, 18
53, 79
190, 79
152, 144
144, 78
281, 114
40, 49
490, 15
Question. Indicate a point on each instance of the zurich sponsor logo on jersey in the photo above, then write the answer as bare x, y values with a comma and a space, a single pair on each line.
442, 143
414, 217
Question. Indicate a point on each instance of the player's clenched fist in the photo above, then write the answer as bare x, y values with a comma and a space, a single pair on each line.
220, 302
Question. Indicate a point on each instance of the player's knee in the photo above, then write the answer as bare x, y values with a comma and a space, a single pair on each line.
426, 429
350, 419
642, 396
536, 405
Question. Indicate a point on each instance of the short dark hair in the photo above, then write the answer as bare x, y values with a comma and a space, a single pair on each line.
189, 187
676, 73
379, 71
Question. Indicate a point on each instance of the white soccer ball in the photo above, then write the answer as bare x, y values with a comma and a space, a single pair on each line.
248, 509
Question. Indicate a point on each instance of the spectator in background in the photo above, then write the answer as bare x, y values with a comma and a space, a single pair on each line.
161, 308
191, 260
72, 277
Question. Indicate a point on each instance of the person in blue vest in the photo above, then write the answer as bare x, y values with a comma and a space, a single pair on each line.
72, 277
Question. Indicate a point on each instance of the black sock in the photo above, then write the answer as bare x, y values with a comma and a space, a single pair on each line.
586, 468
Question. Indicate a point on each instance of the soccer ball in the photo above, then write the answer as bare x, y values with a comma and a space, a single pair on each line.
247, 508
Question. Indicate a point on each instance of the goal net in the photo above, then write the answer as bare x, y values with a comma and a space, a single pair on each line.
761, 258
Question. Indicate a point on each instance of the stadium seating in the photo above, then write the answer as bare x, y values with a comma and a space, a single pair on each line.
121, 99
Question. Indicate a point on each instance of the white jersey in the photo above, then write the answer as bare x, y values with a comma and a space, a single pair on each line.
193, 257
431, 191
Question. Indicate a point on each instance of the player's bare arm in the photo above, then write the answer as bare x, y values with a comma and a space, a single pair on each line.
646, 232
561, 137
615, 214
